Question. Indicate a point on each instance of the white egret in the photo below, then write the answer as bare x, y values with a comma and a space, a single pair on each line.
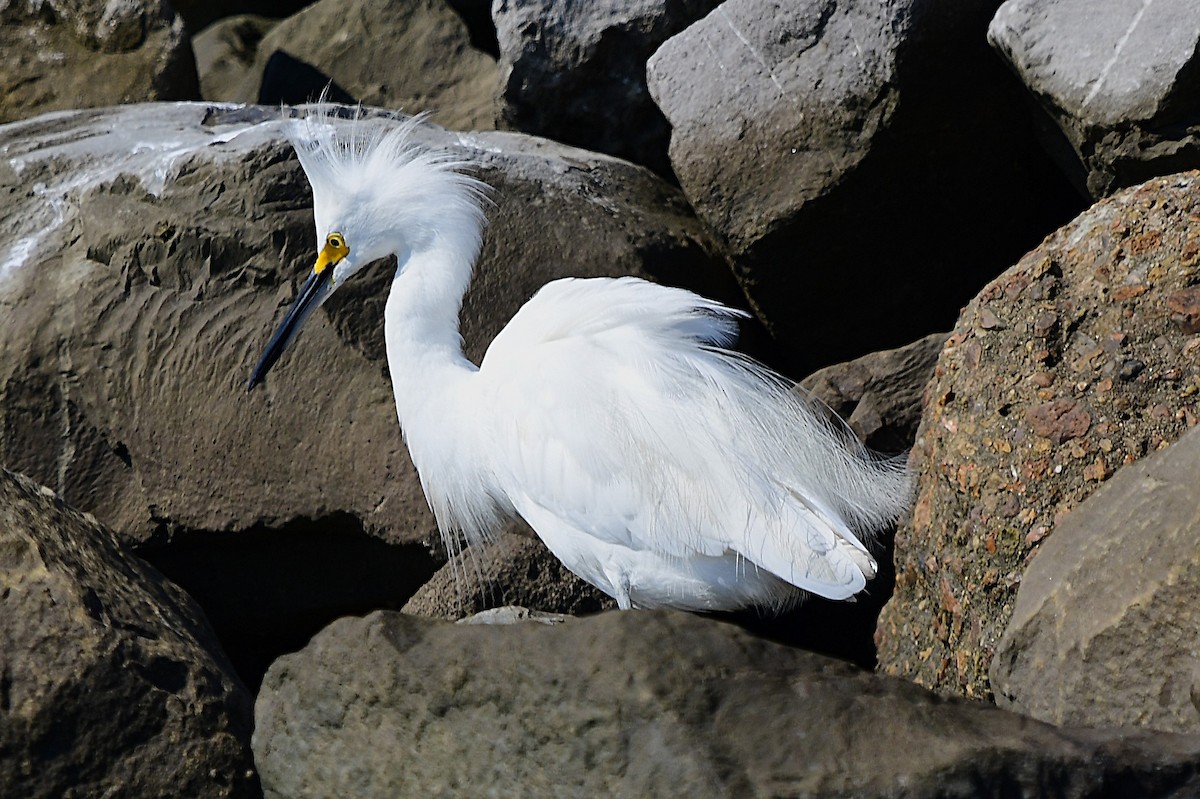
655, 463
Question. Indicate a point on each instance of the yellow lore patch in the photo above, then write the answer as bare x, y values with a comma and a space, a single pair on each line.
335, 250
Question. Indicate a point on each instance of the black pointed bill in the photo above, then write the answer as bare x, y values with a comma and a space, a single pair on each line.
314, 292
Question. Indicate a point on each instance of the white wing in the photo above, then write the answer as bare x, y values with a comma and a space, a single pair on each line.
617, 412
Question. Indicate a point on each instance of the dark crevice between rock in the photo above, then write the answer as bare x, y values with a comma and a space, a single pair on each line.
268, 590
844, 630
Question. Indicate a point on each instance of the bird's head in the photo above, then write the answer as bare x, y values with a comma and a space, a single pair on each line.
375, 194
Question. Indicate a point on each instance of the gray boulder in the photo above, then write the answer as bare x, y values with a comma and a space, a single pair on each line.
868, 163
655, 704
576, 72
1078, 360
58, 54
146, 254
1120, 82
112, 683
1105, 625
407, 56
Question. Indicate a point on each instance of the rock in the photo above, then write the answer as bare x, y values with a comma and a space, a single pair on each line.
835, 146
1026, 418
576, 72
513, 614
111, 682
654, 704
1104, 628
513, 570
409, 56
60, 55
146, 255
879, 395
199, 14
1120, 82
225, 53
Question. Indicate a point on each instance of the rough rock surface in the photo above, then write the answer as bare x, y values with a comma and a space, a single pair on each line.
145, 257
58, 54
655, 704
576, 72
836, 146
408, 56
1120, 80
1116, 582
516, 569
111, 682
1082, 357
880, 395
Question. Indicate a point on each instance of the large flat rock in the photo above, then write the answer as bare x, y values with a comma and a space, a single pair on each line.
1105, 624
655, 704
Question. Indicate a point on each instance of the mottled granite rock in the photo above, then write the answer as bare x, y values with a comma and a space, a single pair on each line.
1081, 358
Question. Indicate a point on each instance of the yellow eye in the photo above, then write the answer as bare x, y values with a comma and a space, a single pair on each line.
335, 241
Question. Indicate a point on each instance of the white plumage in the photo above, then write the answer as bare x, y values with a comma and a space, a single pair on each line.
654, 462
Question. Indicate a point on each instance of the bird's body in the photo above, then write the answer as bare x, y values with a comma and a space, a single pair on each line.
654, 462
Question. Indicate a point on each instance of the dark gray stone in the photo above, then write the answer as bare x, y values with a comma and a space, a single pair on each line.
576, 72
1105, 625
655, 704
868, 163
1119, 79
111, 682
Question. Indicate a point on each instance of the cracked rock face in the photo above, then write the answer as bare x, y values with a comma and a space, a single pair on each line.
1083, 357
1121, 81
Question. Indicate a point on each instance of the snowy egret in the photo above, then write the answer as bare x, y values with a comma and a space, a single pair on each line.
655, 463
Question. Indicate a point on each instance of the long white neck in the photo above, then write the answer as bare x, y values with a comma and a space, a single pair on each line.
432, 381
424, 348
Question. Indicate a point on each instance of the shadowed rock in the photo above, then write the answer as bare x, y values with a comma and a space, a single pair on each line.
869, 164
111, 683
576, 72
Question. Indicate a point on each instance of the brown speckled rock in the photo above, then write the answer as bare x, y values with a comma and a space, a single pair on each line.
1082, 357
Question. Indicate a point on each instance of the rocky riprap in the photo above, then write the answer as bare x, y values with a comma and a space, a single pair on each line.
855, 173
1080, 359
